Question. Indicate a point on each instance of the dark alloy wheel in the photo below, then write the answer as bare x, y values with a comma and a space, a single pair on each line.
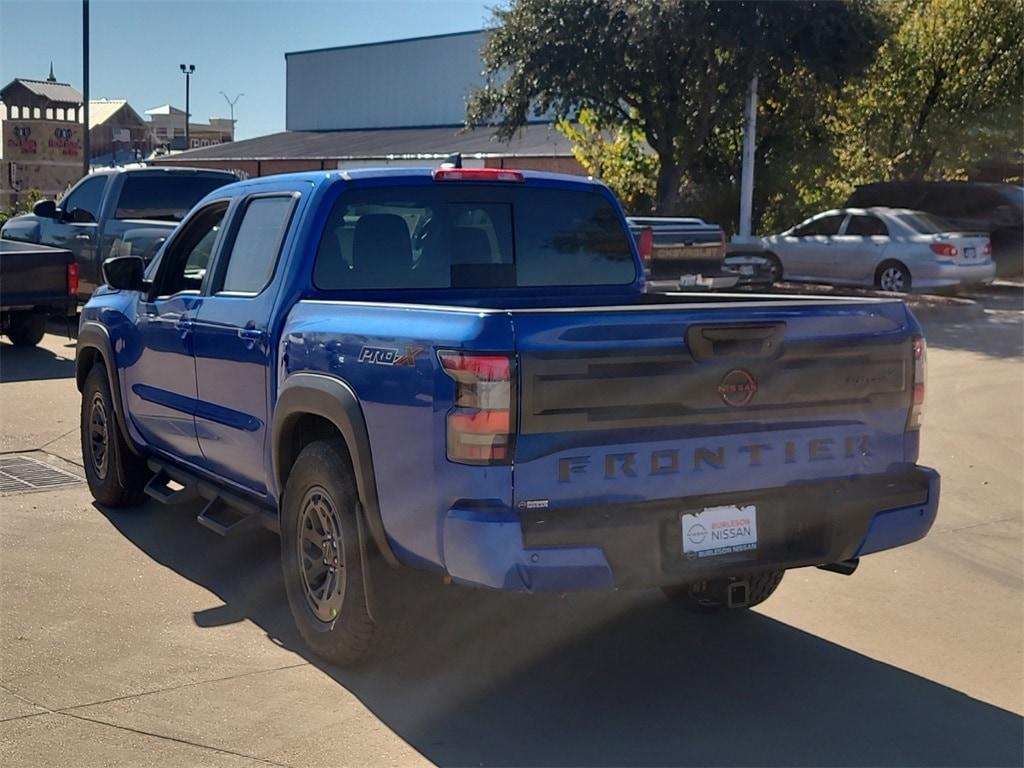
321, 553
321, 556
99, 437
116, 476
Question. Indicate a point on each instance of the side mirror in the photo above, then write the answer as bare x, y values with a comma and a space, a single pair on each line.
125, 273
80, 216
45, 209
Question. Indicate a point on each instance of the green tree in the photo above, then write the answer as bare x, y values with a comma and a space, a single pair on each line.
944, 92
618, 155
21, 205
671, 70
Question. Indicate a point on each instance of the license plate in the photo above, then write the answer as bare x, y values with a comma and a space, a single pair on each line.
746, 270
969, 253
720, 531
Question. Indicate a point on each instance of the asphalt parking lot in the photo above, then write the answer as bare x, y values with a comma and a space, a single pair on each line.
140, 638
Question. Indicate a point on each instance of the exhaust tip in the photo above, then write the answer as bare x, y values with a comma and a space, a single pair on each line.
845, 567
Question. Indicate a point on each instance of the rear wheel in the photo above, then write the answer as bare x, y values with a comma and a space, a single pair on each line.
116, 476
893, 276
27, 329
321, 555
715, 595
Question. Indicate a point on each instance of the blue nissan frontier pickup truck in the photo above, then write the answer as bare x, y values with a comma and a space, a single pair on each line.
461, 370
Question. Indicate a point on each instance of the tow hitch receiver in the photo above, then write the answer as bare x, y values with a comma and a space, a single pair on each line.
738, 593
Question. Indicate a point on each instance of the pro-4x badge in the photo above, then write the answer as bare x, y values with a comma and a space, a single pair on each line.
389, 355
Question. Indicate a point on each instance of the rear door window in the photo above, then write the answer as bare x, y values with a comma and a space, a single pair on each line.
257, 244
163, 196
867, 226
471, 236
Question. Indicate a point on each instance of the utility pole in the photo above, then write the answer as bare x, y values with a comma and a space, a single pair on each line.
231, 105
188, 71
86, 144
747, 175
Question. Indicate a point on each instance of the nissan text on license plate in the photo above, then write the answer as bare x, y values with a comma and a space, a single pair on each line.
720, 531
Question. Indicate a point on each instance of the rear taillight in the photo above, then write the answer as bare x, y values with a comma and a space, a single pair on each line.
481, 426
645, 245
920, 370
944, 249
987, 250
72, 279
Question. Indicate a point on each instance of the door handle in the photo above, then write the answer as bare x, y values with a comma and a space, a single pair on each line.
183, 326
83, 237
251, 336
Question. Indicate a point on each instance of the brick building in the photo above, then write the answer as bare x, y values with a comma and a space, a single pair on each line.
42, 133
117, 133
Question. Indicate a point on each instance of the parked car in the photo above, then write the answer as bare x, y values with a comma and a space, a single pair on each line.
889, 248
36, 282
681, 251
409, 340
752, 267
997, 209
115, 212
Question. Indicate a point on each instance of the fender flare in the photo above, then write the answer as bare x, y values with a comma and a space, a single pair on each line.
92, 335
334, 400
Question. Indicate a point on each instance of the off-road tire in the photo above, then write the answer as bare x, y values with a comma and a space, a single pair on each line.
320, 503
707, 596
27, 330
117, 477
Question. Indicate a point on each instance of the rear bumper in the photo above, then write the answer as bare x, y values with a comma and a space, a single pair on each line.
640, 545
947, 275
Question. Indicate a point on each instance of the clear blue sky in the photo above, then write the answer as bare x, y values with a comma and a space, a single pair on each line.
236, 45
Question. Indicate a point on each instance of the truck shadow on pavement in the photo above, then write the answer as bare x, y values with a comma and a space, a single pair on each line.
32, 364
469, 677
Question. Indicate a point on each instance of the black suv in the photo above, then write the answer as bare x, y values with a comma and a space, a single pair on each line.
969, 206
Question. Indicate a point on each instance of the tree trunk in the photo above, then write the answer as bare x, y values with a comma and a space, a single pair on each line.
670, 176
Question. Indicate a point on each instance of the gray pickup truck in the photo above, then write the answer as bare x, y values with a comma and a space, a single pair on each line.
115, 213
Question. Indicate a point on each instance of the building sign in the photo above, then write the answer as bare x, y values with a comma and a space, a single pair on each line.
42, 141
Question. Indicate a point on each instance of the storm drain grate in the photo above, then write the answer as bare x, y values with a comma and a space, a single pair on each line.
21, 473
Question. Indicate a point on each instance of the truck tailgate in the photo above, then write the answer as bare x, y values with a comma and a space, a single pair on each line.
633, 404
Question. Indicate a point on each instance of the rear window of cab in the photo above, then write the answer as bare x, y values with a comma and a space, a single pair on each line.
456, 235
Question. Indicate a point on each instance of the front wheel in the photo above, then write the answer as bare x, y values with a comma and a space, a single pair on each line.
774, 268
893, 276
321, 555
116, 476
713, 596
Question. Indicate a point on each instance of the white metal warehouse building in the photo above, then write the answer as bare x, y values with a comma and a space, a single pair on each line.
400, 102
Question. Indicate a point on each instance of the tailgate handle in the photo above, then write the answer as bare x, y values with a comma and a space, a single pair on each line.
709, 342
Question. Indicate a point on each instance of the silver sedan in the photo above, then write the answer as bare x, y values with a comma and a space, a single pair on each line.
893, 249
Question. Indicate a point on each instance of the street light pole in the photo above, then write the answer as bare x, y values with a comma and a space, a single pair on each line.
188, 71
86, 143
231, 105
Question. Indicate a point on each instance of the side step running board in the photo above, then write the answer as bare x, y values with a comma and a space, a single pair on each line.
225, 513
